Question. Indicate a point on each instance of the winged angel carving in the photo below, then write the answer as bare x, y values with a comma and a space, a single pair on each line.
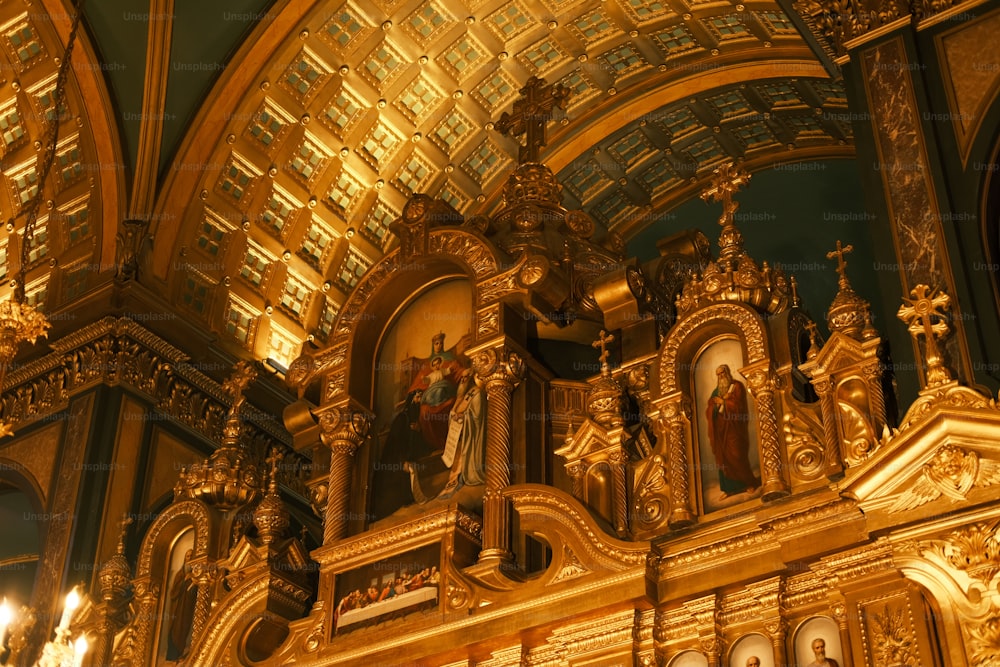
952, 472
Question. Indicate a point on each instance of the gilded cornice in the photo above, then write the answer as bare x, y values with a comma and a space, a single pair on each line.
670, 559
102, 352
349, 553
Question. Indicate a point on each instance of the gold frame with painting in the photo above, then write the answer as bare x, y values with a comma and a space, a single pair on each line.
753, 644
425, 340
817, 627
724, 351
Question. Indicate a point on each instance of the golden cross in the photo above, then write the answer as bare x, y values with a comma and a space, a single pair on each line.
602, 341
531, 112
728, 179
243, 375
272, 461
839, 254
926, 314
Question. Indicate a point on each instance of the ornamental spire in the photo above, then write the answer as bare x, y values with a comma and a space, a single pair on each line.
531, 113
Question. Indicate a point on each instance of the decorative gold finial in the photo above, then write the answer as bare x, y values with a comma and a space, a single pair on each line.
271, 517
849, 313
813, 350
602, 342
841, 264
727, 180
229, 478
272, 473
243, 375
925, 314
531, 112
115, 575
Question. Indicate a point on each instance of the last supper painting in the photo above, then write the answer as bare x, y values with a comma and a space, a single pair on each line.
431, 427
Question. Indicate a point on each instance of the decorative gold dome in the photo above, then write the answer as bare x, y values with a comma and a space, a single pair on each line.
271, 517
532, 183
229, 478
848, 313
606, 401
115, 574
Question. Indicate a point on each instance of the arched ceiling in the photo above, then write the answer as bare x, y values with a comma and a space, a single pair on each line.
325, 118
86, 185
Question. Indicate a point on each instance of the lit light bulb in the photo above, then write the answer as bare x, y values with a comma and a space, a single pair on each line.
72, 602
6, 616
80, 647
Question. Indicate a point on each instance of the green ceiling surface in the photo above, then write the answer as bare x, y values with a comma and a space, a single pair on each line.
205, 37
793, 215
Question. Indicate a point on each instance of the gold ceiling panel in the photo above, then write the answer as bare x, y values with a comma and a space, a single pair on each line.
363, 106
79, 191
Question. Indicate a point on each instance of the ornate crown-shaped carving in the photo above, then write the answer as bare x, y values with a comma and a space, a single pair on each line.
115, 574
735, 276
606, 401
229, 478
271, 517
532, 183
849, 313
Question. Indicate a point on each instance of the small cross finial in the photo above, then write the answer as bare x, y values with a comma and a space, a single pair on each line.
272, 461
531, 112
603, 339
236, 384
727, 180
122, 529
841, 264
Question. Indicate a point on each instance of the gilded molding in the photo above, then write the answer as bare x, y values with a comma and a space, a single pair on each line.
556, 507
745, 319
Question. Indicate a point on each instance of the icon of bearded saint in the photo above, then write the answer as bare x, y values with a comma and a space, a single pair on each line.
729, 435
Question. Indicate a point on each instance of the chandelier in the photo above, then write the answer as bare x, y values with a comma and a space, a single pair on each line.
21, 322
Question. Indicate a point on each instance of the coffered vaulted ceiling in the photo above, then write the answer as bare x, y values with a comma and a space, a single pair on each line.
323, 119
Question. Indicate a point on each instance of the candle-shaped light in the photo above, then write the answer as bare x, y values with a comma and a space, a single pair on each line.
72, 602
6, 615
80, 647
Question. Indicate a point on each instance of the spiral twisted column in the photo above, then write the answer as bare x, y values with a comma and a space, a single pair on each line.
673, 426
576, 474
763, 382
202, 573
618, 460
500, 370
828, 407
876, 397
343, 431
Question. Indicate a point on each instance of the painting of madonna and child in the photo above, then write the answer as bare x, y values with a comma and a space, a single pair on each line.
727, 427
430, 413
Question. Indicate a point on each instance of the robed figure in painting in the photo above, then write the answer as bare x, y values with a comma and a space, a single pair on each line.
729, 435
465, 451
403, 443
437, 378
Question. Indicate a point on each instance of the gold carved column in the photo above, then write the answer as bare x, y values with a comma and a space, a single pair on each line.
577, 471
673, 427
831, 445
763, 382
501, 370
343, 430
